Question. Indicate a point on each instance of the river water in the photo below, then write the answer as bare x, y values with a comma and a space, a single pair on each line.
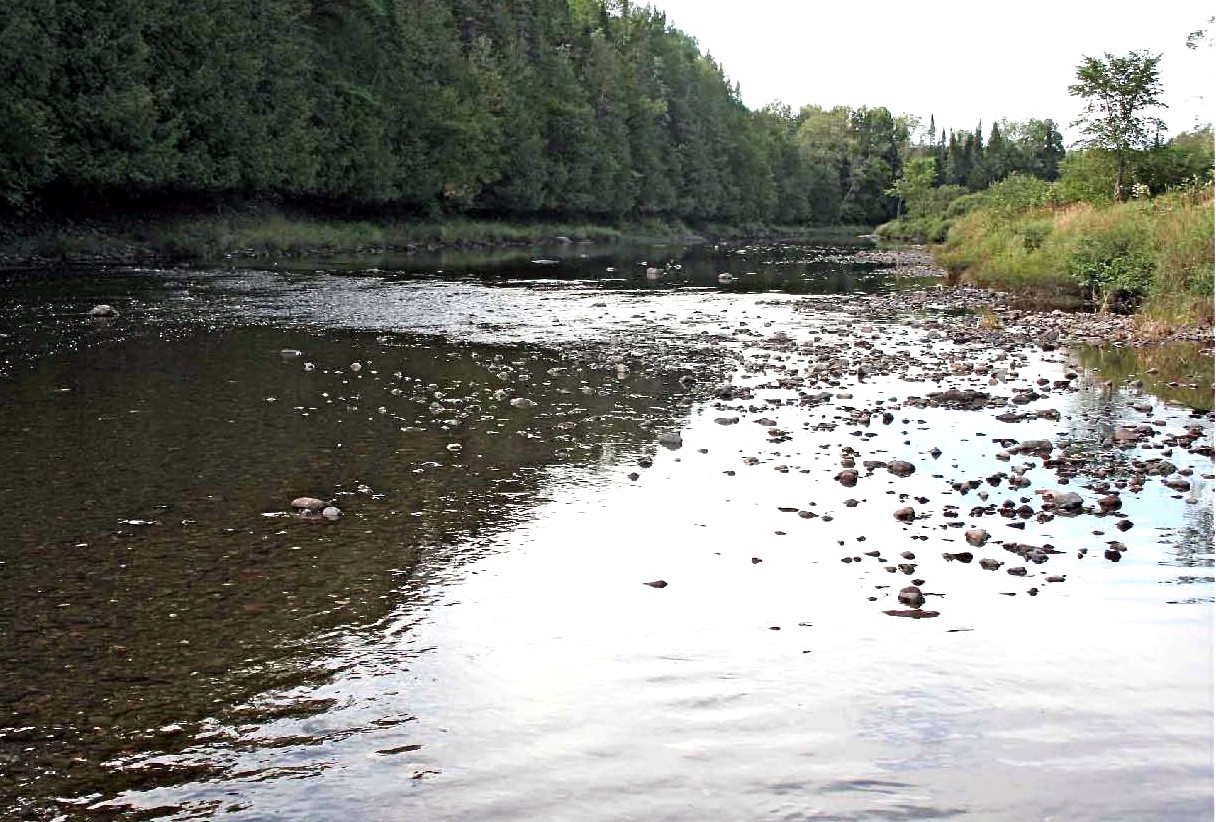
474, 638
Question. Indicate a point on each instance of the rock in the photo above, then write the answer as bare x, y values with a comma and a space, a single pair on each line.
726, 420
523, 402
915, 613
290, 353
1177, 484
1055, 578
1110, 502
1031, 447
847, 477
1062, 500
977, 537
1124, 525
990, 564
102, 311
935, 452
658, 583
962, 556
967, 400
907, 568
671, 439
911, 596
1017, 572
900, 468
308, 503
331, 512
905, 514
908, 555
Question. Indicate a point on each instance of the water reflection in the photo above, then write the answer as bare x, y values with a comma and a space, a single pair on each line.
473, 637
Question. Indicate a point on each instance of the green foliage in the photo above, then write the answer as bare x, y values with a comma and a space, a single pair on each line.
1117, 91
1115, 264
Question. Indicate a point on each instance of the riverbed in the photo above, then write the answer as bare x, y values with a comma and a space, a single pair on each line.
618, 538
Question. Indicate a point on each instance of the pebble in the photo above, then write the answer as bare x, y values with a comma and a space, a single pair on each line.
308, 503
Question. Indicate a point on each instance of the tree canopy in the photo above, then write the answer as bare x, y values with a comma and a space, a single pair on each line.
1118, 92
575, 108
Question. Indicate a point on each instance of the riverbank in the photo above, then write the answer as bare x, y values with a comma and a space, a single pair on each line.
1150, 257
1030, 313
264, 232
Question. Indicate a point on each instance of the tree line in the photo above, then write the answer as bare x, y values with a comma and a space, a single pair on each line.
519, 108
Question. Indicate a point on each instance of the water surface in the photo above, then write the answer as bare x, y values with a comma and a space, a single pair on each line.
473, 638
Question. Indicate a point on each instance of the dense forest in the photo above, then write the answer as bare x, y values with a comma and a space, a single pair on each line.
595, 109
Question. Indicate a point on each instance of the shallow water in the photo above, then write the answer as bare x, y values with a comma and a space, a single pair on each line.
473, 639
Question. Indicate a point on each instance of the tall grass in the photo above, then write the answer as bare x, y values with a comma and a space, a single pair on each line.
1153, 255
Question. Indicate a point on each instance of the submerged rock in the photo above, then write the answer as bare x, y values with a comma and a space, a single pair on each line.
331, 512
308, 503
103, 311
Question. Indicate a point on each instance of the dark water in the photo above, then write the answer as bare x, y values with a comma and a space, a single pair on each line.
472, 639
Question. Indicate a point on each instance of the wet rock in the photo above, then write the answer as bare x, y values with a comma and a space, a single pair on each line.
905, 514
1063, 501
102, 311
976, 537
645, 462
962, 556
961, 399
523, 402
1032, 447
658, 583
900, 468
914, 613
671, 439
331, 512
308, 503
911, 596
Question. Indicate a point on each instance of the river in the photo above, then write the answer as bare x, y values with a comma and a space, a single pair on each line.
520, 444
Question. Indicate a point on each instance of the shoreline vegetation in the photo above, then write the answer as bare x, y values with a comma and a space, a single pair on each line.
269, 232
133, 132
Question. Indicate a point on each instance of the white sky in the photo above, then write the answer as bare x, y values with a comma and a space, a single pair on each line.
964, 61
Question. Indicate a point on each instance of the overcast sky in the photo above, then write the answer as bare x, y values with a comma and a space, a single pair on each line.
964, 61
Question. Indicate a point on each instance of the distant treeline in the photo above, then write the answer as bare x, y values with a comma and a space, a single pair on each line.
520, 108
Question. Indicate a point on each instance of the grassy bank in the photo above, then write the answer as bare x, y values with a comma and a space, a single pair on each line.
273, 233
1151, 256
